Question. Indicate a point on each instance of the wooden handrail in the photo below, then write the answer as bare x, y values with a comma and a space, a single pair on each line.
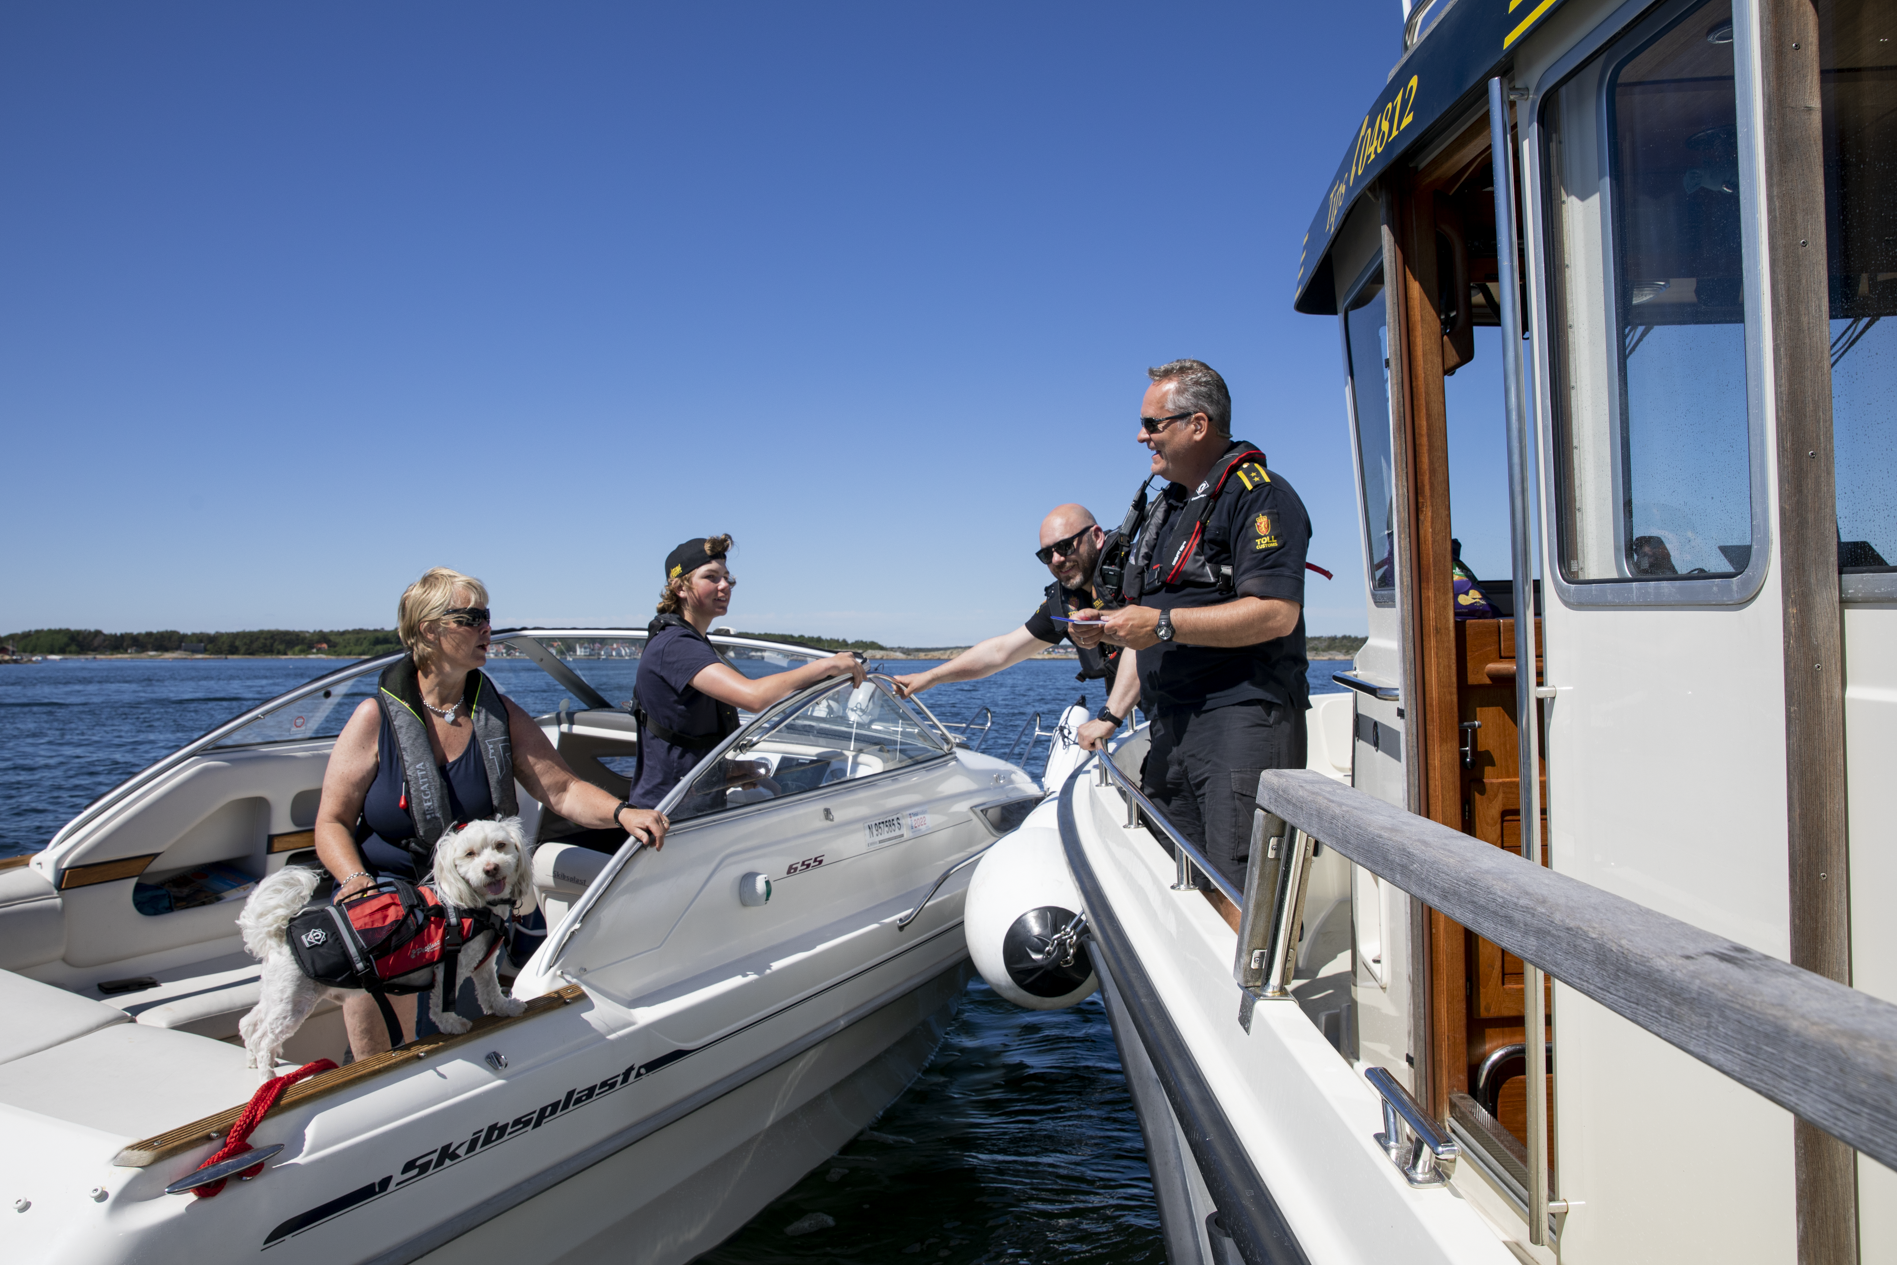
1823, 1051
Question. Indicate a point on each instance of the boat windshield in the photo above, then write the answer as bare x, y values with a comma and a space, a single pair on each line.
319, 712
807, 742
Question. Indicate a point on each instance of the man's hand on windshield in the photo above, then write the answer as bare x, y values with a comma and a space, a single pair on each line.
910, 686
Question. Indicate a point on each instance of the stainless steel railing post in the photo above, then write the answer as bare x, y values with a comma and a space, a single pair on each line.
1255, 913
1287, 911
1522, 542
1183, 880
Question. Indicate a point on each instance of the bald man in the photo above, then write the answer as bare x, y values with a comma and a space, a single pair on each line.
1070, 546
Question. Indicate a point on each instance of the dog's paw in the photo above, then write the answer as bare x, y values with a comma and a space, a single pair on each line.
452, 1024
509, 1007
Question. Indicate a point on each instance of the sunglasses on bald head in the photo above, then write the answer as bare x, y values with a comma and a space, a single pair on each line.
466, 616
1065, 548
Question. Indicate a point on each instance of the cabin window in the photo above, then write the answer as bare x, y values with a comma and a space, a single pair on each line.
1367, 352
1653, 447
841, 735
1857, 54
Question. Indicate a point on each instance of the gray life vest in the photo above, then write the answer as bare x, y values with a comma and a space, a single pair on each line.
424, 790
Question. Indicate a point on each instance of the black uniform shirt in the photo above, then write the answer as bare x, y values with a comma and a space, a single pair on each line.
1260, 529
1058, 600
1041, 622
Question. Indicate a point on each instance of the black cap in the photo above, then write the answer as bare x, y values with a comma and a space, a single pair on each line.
688, 557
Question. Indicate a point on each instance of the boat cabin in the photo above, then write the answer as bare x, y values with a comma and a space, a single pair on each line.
1624, 432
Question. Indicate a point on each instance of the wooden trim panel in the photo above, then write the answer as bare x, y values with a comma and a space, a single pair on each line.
104, 871
176, 1141
295, 841
14, 863
1816, 844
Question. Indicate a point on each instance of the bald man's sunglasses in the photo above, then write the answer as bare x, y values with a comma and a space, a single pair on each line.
1065, 548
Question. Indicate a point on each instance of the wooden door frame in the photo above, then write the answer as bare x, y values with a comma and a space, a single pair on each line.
1817, 846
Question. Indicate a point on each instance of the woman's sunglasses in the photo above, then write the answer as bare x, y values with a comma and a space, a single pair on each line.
1065, 548
466, 616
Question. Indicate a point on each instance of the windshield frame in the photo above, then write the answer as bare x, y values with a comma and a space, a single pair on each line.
354, 668
597, 890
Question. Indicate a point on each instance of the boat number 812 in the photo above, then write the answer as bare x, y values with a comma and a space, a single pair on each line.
808, 863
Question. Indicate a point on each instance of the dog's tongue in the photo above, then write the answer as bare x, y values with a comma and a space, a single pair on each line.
496, 887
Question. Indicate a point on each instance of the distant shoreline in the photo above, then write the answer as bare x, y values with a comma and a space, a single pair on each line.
932, 656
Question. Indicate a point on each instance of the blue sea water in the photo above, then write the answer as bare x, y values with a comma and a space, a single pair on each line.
1017, 1143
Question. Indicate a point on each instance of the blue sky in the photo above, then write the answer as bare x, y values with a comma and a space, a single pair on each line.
298, 300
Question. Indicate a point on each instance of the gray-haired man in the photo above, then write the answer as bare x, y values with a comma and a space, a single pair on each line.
1220, 625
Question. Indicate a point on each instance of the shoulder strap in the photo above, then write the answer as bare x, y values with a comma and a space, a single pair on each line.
487, 712
1221, 472
424, 792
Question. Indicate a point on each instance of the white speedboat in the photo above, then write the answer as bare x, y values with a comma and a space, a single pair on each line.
1593, 963
708, 1022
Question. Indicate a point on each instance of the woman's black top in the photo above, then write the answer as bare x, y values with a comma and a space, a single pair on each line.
673, 655
389, 822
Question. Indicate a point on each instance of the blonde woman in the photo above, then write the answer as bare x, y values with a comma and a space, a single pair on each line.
687, 697
438, 746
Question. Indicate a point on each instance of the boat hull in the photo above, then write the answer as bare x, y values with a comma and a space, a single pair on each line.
683, 1189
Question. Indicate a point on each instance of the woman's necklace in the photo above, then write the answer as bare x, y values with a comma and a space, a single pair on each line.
446, 713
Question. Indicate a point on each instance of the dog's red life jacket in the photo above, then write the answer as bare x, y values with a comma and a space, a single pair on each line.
394, 929
422, 949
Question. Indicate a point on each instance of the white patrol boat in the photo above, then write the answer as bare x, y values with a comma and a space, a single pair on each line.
706, 1024
1572, 944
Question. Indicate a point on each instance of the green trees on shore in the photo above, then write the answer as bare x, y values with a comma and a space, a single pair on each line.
351, 642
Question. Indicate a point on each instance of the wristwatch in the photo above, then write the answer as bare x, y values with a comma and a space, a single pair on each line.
1106, 714
1165, 626
623, 806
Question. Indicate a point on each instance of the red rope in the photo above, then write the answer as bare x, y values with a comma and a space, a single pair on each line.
236, 1143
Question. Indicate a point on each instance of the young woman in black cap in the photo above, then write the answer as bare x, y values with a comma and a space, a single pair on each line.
687, 697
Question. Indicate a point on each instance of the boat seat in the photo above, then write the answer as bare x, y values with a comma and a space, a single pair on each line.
36, 1016
212, 1004
130, 1080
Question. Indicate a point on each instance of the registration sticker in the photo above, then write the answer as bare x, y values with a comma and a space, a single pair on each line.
919, 822
885, 830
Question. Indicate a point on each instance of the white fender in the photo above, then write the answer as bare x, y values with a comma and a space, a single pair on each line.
1063, 753
1020, 898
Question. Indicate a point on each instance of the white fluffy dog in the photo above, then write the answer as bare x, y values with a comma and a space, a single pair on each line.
481, 862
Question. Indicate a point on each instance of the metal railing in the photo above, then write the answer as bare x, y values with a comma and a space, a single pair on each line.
966, 732
1021, 749
1822, 1050
1186, 856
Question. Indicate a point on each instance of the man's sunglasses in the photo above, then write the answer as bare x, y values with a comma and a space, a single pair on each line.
1153, 425
466, 616
1065, 548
